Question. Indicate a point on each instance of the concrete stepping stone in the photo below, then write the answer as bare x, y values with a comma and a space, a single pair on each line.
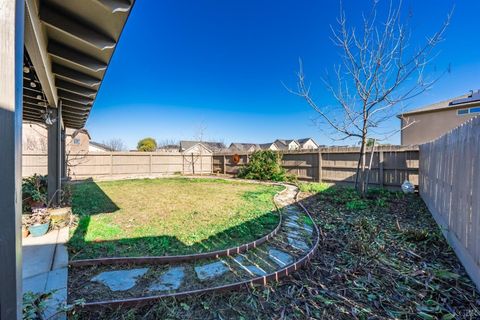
250, 268
279, 257
298, 243
211, 270
171, 280
120, 280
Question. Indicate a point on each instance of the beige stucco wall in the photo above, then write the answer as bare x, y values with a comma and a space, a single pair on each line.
81, 148
429, 126
35, 139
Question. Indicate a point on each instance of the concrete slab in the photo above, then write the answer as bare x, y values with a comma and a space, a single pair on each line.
45, 261
56, 283
211, 270
60, 260
36, 283
120, 280
171, 280
281, 258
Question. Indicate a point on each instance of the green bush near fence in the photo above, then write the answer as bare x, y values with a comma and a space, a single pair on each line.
264, 165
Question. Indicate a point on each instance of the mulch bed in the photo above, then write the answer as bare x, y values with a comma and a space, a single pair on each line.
380, 258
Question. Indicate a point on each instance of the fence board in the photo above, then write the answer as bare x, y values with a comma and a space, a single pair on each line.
450, 186
338, 165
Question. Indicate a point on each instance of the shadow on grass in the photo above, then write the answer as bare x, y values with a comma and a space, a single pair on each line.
89, 200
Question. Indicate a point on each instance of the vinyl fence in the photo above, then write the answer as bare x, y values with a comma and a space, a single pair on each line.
391, 165
123, 164
450, 186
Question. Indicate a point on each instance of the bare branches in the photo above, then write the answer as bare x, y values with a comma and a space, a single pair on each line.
115, 144
379, 71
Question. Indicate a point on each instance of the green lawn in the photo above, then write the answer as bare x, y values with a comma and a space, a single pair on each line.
168, 216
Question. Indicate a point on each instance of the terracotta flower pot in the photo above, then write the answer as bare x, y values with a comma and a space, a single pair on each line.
25, 232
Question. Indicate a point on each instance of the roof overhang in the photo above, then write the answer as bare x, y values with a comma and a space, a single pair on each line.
69, 45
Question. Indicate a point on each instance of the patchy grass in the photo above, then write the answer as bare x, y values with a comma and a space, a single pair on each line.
383, 259
168, 216
312, 187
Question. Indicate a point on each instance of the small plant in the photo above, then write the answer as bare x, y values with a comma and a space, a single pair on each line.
356, 204
264, 165
34, 304
34, 191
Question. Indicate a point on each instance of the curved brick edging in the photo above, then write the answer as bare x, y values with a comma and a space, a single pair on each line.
188, 257
258, 280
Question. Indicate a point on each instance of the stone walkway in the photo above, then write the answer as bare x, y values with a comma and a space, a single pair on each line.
45, 268
293, 242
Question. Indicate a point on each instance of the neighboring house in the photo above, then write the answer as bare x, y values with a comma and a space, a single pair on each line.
307, 144
198, 148
269, 146
212, 146
279, 144
287, 144
35, 139
169, 148
77, 141
98, 147
244, 147
430, 122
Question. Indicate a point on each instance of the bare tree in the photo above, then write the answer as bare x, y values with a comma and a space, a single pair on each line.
168, 144
378, 73
115, 144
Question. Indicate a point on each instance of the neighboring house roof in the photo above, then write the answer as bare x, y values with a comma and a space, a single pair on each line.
305, 140
239, 146
82, 130
453, 103
169, 147
100, 146
266, 145
213, 146
283, 143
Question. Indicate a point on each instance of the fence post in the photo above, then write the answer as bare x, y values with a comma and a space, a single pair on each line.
224, 164
319, 155
150, 166
111, 164
380, 169
183, 164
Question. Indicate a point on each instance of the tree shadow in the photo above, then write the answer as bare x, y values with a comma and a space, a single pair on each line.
92, 200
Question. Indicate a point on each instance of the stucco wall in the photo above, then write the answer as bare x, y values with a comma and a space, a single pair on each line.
430, 125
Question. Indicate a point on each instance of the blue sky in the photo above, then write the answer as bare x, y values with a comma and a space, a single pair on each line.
219, 65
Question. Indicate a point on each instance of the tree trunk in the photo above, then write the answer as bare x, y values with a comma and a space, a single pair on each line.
362, 170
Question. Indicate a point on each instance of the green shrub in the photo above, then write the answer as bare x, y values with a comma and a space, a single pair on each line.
264, 165
147, 144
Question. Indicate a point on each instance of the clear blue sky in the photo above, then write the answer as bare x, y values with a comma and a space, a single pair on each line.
181, 65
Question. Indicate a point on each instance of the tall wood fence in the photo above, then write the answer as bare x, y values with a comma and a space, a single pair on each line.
391, 165
123, 164
450, 186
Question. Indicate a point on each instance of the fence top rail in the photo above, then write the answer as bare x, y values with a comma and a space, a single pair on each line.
328, 150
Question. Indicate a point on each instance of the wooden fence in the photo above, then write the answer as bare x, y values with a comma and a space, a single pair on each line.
391, 165
450, 186
123, 164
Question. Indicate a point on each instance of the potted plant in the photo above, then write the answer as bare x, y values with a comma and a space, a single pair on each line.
38, 222
34, 191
